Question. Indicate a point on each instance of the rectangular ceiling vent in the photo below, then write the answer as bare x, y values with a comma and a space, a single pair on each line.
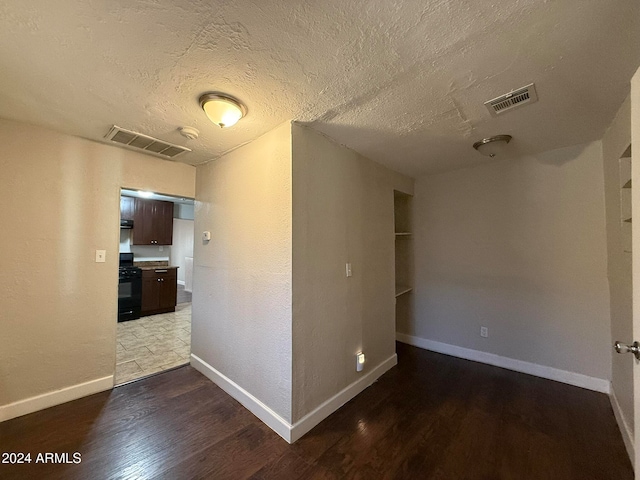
145, 143
514, 99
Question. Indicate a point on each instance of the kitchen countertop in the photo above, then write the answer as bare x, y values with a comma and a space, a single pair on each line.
156, 267
153, 265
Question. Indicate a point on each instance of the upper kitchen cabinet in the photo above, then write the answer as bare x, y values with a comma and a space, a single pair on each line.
126, 208
152, 222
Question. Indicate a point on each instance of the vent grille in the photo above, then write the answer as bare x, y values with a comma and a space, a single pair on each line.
145, 143
514, 99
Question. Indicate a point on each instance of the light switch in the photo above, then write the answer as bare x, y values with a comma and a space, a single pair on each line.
348, 269
101, 256
206, 236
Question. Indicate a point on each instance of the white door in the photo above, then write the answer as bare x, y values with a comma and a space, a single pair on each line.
633, 345
635, 207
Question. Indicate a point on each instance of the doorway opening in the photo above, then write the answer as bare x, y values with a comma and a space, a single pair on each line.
155, 284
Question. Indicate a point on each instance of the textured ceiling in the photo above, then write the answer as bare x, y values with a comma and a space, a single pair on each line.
403, 83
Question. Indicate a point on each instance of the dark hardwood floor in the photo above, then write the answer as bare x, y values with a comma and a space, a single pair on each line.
431, 417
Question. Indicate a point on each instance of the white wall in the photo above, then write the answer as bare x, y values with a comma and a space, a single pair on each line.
241, 319
58, 308
185, 212
614, 143
519, 246
182, 245
342, 212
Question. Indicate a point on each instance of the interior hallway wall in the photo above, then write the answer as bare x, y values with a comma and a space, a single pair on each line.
241, 317
343, 212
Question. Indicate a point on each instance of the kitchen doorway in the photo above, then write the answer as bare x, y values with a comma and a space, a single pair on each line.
155, 283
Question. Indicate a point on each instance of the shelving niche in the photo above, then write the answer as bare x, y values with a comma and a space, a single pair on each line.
625, 199
404, 259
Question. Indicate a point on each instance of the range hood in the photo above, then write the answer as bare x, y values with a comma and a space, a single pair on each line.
126, 223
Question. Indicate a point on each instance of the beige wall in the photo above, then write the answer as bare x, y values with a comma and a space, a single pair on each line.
342, 212
286, 212
60, 202
241, 323
518, 246
614, 143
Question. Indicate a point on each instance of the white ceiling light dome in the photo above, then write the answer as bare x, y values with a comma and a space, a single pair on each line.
222, 109
492, 146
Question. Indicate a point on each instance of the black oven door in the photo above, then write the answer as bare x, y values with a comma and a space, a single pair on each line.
129, 294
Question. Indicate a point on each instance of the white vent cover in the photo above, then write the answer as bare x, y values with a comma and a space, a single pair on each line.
514, 99
145, 143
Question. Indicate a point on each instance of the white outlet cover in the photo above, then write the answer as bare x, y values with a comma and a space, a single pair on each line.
101, 256
359, 362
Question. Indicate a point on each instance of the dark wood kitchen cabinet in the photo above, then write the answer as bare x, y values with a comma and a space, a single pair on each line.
152, 222
159, 290
126, 208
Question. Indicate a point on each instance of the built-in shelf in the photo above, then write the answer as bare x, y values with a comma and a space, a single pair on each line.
402, 289
626, 210
403, 228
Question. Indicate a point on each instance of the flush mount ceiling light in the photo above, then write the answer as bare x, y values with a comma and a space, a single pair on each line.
492, 146
222, 109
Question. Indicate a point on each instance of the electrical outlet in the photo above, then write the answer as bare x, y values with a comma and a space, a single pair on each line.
101, 256
484, 332
359, 361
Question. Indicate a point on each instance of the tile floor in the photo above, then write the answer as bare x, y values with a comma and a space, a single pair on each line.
152, 344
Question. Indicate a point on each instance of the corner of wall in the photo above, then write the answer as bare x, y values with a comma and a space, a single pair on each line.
343, 212
241, 315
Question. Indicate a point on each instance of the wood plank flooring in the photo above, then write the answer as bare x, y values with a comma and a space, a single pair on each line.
431, 417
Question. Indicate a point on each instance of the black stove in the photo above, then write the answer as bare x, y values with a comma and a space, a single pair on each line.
129, 289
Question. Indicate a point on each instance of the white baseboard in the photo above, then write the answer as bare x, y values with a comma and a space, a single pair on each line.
564, 376
289, 432
321, 412
251, 403
180, 282
627, 434
57, 397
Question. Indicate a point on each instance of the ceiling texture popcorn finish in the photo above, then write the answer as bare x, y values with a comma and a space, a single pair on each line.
402, 83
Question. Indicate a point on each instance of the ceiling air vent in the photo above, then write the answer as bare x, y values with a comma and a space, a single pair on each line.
145, 143
516, 98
